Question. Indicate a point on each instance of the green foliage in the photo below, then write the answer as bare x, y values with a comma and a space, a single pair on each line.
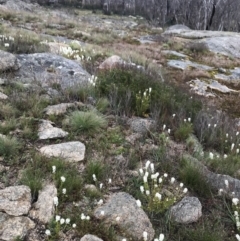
8, 125
87, 122
227, 166
193, 178
102, 105
9, 146
183, 131
125, 88
7, 111
24, 43
97, 168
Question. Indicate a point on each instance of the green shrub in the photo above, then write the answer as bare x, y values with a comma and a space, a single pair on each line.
133, 91
183, 131
9, 147
193, 179
88, 122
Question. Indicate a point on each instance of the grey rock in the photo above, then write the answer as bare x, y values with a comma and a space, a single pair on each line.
47, 131
3, 96
188, 210
111, 62
174, 53
133, 220
182, 64
233, 77
44, 208
49, 69
15, 200
2, 81
141, 125
60, 109
19, 5
225, 43
71, 151
178, 27
8, 61
201, 87
13, 227
90, 237
228, 45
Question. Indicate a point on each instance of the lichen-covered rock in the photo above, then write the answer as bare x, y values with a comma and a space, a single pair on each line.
15, 200
44, 208
90, 237
13, 227
71, 151
122, 211
141, 125
188, 210
111, 62
51, 69
47, 131
8, 61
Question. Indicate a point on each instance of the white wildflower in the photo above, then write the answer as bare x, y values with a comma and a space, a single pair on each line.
94, 177
152, 167
173, 180
235, 201
147, 164
64, 191
141, 171
62, 221
109, 180
67, 220
63, 179
101, 185
164, 127
181, 184
226, 183
139, 204
232, 146
145, 235
74, 225
100, 202
158, 195
147, 192
117, 219
55, 201
161, 237
142, 189
53, 169
185, 190
210, 155
165, 175
47, 232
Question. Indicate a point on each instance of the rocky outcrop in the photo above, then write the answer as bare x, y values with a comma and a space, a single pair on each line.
188, 210
15, 200
141, 125
184, 64
121, 210
71, 151
50, 69
219, 42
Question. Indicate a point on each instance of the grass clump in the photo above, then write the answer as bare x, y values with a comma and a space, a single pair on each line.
86, 122
183, 131
193, 178
9, 146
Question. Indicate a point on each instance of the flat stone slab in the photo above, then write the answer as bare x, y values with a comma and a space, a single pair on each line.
201, 87
233, 77
15, 200
174, 53
48, 131
181, 64
71, 151
61, 109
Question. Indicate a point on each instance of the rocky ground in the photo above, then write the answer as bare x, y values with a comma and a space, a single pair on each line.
117, 172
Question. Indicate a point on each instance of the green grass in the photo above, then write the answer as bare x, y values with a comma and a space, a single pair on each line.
86, 122
9, 146
192, 178
183, 131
